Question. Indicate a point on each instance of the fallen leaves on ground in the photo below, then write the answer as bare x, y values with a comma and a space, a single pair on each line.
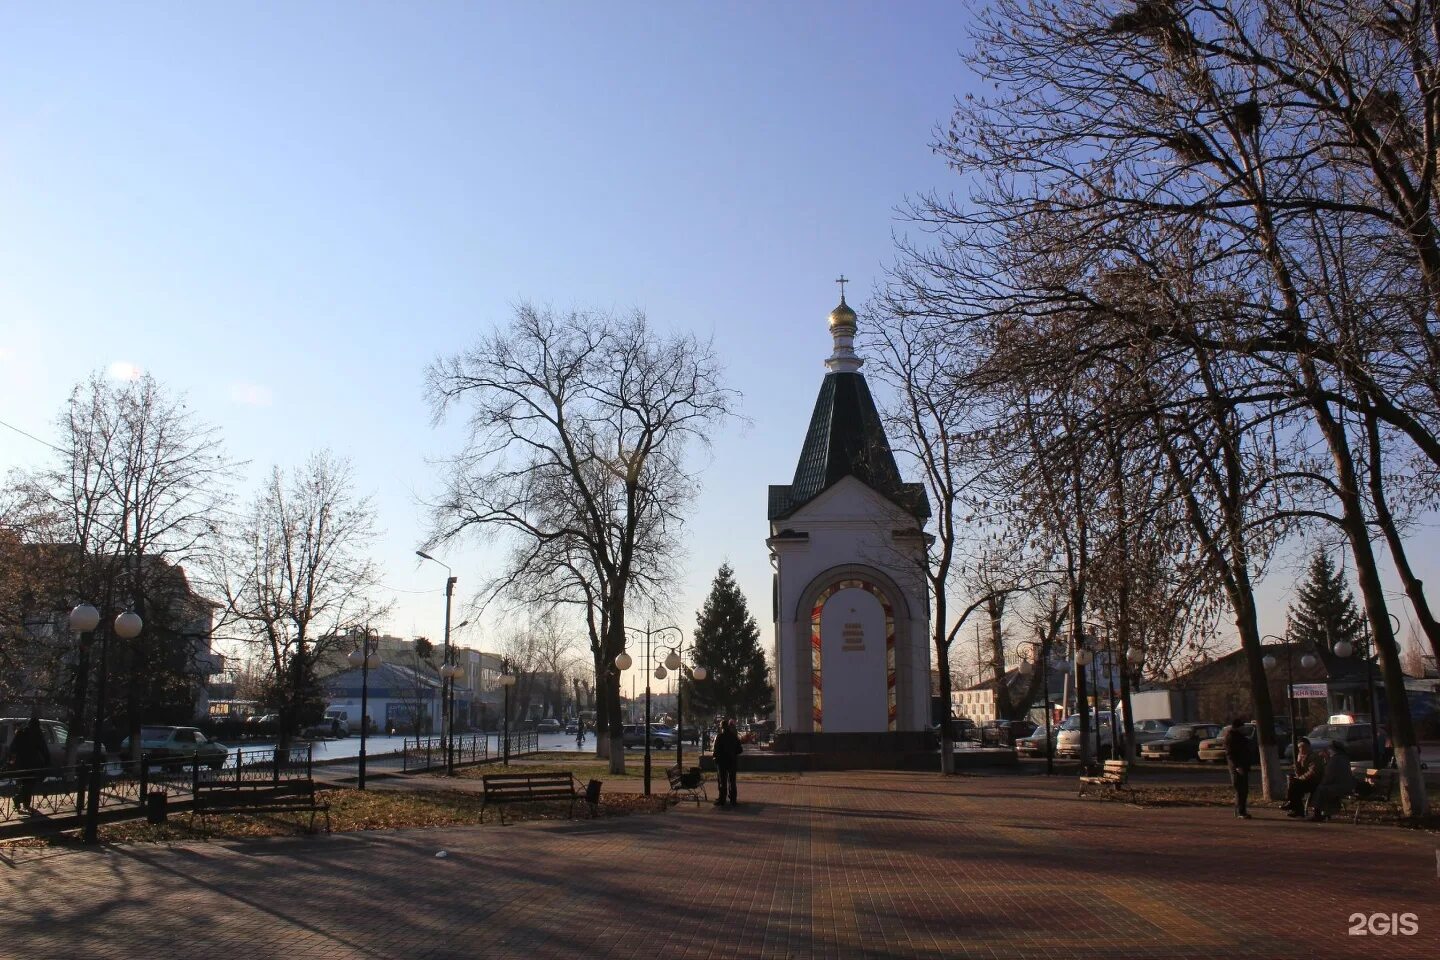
351, 810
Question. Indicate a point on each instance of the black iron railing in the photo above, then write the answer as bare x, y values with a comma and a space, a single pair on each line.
428, 753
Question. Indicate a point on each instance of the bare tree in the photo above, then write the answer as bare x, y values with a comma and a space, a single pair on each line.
579, 427
130, 499
296, 578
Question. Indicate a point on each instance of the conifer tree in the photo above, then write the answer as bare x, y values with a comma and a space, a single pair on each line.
1324, 613
727, 645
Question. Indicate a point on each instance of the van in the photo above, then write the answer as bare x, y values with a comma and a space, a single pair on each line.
57, 736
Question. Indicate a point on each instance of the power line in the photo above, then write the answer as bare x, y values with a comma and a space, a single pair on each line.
32, 436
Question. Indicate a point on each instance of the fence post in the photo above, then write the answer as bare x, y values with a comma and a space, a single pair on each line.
427, 753
239, 763
144, 779
195, 774
275, 764
310, 761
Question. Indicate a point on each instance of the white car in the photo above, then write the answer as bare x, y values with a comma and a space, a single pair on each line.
1101, 736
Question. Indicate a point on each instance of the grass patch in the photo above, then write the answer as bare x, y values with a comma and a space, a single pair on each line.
352, 810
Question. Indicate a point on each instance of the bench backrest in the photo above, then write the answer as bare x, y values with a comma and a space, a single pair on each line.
1116, 768
243, 787
527, 784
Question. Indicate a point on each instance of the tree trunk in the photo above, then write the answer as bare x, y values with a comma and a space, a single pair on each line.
1413, 799
1414, 588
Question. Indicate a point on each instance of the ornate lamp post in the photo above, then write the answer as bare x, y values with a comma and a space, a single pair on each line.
366, 659
84, 619
623, 661
674, 662
506, 681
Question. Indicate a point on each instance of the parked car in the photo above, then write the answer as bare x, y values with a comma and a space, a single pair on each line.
548, 725
57, 737
174, 747
1181, 742
1212, 749
333, 725
1003, 733
1102, 735
1354, 736
963, 728
1147, 731
572, 726
1035, 745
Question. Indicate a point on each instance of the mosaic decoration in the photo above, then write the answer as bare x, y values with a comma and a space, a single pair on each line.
817, 690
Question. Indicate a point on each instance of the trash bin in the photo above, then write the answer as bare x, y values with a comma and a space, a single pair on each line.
157, 806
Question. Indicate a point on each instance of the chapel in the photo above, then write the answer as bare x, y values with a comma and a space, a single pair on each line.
851, 607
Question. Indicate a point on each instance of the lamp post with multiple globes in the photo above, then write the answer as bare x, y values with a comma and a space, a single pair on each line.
623, 661
674, 661
127, 626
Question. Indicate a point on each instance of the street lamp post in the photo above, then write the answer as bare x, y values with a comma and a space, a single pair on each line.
1346, 649
366, 659
84, 619
1269, 662
507, 680
447, 689
676, 662
623, 661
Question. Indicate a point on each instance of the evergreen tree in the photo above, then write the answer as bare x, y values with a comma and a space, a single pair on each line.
727, 645
1325, 612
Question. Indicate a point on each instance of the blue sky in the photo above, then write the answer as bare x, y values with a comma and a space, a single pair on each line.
286, 211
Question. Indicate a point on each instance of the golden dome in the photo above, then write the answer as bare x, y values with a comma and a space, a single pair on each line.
842, 316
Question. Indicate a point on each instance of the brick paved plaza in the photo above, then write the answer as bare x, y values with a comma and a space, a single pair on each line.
824, 865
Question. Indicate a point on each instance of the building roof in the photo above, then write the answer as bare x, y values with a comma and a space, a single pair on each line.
846, 439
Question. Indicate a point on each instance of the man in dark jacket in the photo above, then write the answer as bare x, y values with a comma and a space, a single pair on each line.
30, 756
727, 762
1238, 751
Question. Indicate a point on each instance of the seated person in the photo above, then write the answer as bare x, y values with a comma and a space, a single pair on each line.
1305, 779
1336, 783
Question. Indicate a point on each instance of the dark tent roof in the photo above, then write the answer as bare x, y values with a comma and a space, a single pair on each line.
846, 439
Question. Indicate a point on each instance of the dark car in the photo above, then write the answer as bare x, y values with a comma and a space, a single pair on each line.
1355, 737
1004, 733
1181, 742
1036, 744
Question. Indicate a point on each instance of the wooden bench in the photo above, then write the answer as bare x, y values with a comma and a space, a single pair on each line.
1376, 786
1116, 775
686, 783
503, 788
259, 796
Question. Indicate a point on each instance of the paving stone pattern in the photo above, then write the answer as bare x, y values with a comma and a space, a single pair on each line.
826, 865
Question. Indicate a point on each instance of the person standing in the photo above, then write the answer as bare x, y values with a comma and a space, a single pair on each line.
580, 734
727, 763
1238, 752
30, 756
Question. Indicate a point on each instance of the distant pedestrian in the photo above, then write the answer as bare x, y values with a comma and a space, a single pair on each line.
727, 762
1303, 782
580, 735
1238, 753
1336, 783
30, 758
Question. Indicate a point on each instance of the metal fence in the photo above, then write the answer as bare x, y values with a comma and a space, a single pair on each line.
57, 794
428, 753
